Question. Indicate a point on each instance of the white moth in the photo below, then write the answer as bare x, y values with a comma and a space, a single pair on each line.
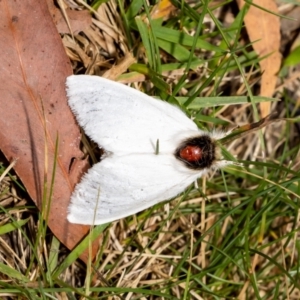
132, 176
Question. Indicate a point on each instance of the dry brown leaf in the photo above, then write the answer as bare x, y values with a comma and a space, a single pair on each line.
264, 31
34, 67
163, 9
78, 20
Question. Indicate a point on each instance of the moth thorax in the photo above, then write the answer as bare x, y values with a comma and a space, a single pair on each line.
198, 152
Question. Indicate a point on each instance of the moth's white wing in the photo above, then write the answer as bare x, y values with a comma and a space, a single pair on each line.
120, 186
123, 120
